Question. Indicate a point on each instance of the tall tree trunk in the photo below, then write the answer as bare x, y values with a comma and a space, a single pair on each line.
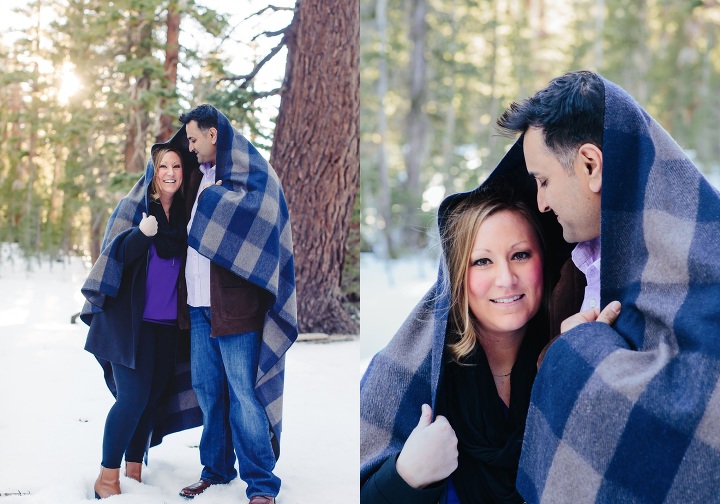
138, 120
641, 57
135, 142
382, 89
14, 155
96, 232
172, 49
494, 102
599, 34
316, 153
416, 124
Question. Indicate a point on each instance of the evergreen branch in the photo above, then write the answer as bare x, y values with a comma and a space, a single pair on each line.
247, 78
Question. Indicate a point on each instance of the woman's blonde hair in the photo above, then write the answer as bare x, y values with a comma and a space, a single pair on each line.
458, 238
157, 156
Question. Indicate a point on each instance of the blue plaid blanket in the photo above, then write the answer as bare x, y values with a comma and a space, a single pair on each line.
178, 409
407, 373
631, 413
242, 225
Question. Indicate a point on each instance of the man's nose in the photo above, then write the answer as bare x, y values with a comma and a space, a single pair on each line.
542, 204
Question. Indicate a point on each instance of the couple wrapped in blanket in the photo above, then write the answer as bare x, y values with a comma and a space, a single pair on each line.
569, 350
202, 244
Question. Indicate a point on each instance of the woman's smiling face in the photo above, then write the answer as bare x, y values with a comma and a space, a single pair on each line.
169, 174
505, 276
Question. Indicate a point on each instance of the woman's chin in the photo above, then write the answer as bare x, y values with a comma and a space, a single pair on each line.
168, 192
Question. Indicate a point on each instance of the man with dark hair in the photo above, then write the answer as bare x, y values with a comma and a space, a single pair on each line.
240, 291
628, 412
562, 127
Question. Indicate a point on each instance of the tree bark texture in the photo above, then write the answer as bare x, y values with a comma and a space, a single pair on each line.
316, 153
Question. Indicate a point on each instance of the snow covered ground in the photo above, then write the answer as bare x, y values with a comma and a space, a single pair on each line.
53, 403
389, 290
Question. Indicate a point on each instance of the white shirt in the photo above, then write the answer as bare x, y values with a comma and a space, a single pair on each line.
197, 268
586, 257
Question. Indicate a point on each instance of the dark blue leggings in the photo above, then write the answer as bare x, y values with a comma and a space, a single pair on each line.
130, 419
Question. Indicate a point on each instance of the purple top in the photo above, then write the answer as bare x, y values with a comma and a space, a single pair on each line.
161, 288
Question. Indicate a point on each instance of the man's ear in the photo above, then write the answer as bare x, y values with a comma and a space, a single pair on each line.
213, 135
592, 163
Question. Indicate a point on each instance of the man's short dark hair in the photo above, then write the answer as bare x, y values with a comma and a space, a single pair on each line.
569, 111
205, 115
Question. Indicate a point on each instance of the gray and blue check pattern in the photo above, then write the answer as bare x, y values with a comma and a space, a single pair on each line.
631, 413
242, 225
406, 374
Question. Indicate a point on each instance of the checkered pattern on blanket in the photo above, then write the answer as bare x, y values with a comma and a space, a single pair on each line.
242, 225
178, 409
406, 374
631, 413
106, 273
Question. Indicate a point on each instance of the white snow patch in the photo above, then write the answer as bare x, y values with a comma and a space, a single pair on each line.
389, 290
54, 402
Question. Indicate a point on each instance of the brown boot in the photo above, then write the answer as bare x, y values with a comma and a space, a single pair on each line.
108, 483
133, 470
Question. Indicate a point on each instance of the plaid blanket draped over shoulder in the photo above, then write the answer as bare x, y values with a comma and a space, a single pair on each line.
243, 225
631, 413
178, 408
407, 373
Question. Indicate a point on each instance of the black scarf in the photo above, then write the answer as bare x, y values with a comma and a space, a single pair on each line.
488, 445
171, 238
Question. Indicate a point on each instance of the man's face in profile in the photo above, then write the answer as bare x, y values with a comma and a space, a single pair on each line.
573, 196
202, 143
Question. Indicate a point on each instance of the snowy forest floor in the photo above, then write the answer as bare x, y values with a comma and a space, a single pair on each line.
53, 403
389, 291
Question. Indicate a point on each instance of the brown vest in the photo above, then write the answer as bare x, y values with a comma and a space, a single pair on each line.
238, 306
565, 300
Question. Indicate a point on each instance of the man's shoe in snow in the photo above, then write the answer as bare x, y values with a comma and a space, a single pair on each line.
262, 499
189, 492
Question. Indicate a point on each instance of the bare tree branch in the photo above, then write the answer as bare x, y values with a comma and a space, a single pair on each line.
265, 94
274, 8
270, 34
247, 78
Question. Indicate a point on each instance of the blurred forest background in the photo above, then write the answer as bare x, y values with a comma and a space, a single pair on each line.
87, 86
436, 74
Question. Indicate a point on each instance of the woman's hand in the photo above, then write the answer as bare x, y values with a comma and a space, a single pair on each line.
609, 315
148, 225
430, 453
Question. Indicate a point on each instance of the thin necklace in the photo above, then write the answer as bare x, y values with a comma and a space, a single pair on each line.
500, 375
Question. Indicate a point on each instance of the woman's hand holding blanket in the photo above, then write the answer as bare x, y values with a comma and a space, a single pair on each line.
148, 225
430, 453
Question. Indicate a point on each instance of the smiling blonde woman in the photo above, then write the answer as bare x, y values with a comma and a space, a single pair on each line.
475, 338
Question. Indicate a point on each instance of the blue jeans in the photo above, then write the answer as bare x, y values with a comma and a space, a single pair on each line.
234, 420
